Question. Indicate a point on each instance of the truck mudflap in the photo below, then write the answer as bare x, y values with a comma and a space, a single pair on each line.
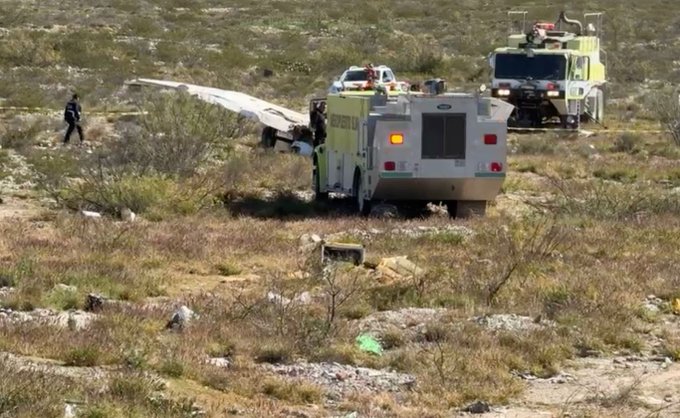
500, 110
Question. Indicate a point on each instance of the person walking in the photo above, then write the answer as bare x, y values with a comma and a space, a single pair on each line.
72, 117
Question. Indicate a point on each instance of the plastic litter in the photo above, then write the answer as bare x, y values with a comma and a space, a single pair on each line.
369, 344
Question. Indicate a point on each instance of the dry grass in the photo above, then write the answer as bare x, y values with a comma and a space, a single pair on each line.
600, 237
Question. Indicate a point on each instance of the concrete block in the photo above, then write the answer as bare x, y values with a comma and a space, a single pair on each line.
353, 253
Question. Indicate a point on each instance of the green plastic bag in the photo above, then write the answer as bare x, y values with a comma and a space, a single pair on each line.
369, 344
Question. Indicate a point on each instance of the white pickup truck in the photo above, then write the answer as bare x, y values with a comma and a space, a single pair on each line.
357, 78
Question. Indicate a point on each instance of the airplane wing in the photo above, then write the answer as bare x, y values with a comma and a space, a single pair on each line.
269, 114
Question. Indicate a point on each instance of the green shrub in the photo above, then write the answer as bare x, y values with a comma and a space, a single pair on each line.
83, 357
227, 269
172, 368
627, 142
153, 195
293, 392
273, 353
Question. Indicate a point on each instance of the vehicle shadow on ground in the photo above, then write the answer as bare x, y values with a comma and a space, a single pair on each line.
290, 206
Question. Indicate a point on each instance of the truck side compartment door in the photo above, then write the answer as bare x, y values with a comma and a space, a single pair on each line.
363, 141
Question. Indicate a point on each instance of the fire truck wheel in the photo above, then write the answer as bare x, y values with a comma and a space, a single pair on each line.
468, 208
363, 206
451, 207
318, 194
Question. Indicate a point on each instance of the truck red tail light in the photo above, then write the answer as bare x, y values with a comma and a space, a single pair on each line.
551, 86
390, 165
490, 139
496, 167
396, 138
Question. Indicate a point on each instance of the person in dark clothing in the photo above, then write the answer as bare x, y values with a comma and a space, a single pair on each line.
319, 124
72, 117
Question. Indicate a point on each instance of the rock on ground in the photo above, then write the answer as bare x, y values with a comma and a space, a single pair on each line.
511, 323
70, 319
340, 380
21, 174
653, 304
398, 268
6, 291
181, 318
94, 375
412, 322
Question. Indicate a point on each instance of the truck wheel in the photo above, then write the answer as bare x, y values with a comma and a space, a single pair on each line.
363, 206
451, 207
569, 121
468, 208
413, 209
318, 194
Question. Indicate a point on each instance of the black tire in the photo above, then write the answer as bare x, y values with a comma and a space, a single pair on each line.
268, 139
318, 194
451, 208
413, 209
466, 208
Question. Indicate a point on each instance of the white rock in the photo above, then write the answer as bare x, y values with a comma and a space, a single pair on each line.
65, 288
511, 322
181, 317
304, 298
127, 215
90, 214
276, 298
70, 411
219, 362
309, 242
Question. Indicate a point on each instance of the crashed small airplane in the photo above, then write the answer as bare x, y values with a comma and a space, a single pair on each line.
282, 126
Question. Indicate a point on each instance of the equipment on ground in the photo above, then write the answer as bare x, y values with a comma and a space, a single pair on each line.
547, 72
413, 149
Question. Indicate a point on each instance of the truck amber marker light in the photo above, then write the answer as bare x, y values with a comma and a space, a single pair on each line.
396, 138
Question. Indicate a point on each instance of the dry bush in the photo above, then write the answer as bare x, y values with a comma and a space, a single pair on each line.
23, 48
628, 143
30, 393
13, 13
667, 105
604, 201
266, 170
157, 168
155, 196
176, 136
517, 248
20, 133
466, 364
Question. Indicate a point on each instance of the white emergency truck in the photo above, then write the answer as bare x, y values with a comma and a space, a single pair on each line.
414, 148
